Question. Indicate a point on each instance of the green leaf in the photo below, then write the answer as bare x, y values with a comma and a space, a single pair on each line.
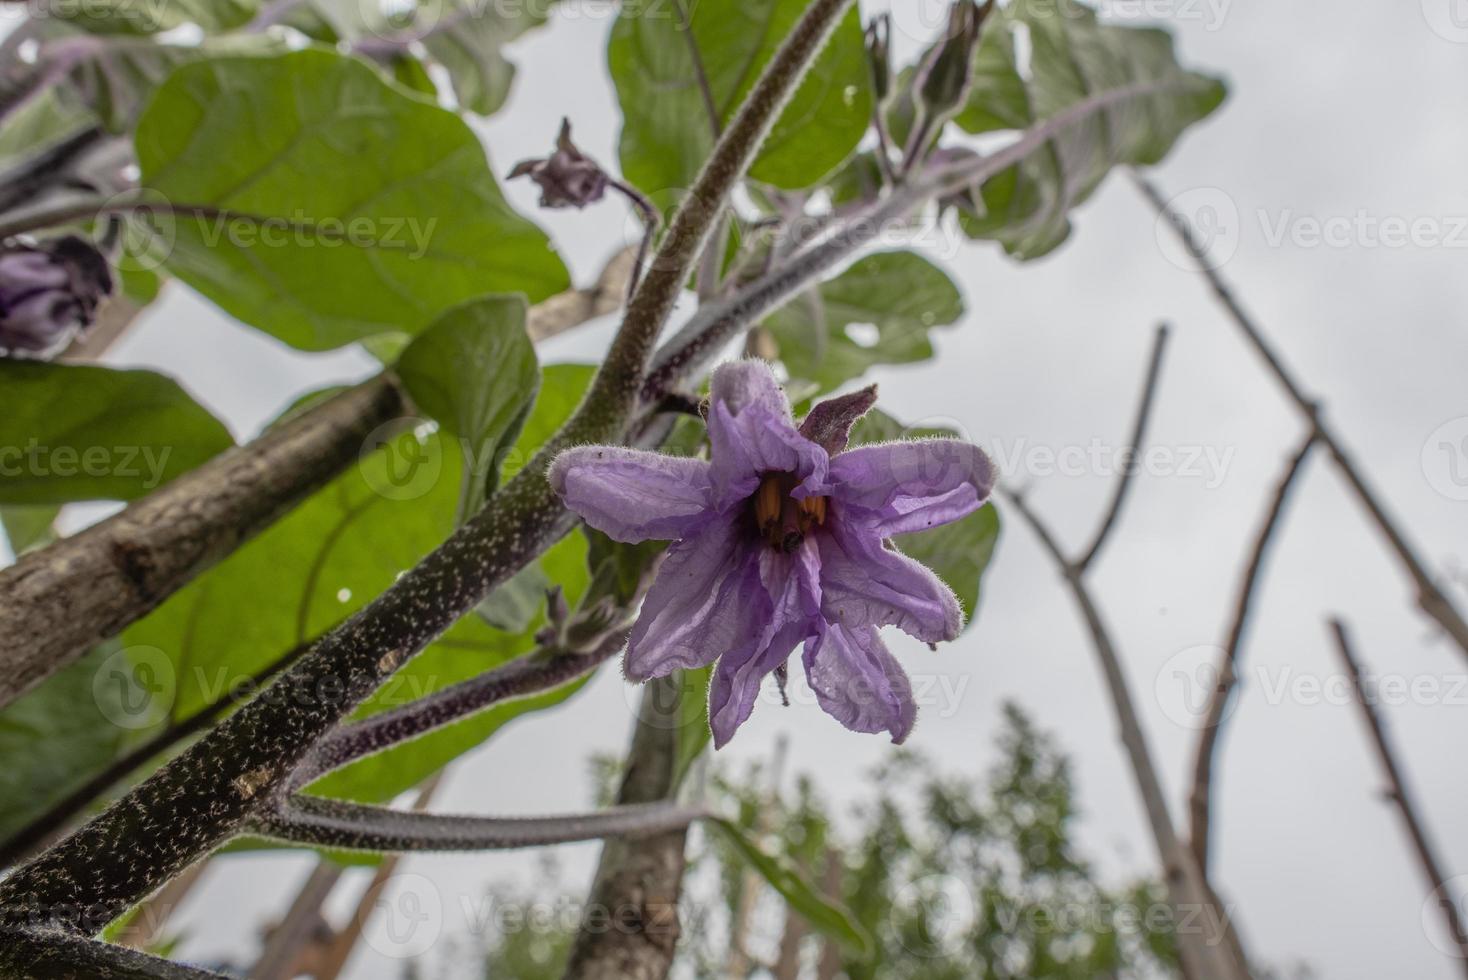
78, 432
336, 205
29, 527
825, 915
667, 134
694, 733
829, 339
467, 42
959, 552
1072, 57
151, 16
474, 370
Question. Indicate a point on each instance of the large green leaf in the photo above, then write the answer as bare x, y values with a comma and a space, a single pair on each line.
878, 311
467, 42
336, 206
1072, 57
475, 372
667, 134
151, 16
78, 432
958, 552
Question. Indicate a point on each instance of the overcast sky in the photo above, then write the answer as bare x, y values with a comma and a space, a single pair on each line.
1344, 123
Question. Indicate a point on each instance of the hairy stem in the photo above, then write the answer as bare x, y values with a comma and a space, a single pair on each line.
48, 955
210, 792
360, 827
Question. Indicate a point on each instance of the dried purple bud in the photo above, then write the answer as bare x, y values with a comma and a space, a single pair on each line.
879, 55
49, 293
829, 423
947, 72
567, 178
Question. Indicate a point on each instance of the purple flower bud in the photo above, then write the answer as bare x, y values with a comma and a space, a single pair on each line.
49, 293
567, 178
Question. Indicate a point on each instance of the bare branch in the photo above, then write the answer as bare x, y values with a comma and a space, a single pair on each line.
1430, 598
1134, 446
360, 827
59, 601
1200, 799
1398, 794
1206, 953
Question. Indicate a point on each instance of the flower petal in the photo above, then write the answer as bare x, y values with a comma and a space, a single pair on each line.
866, 584
632, 495
792, 583
912, 486
758, 441
858, 682
740, 384
706, 601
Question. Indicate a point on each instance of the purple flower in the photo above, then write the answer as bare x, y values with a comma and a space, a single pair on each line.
567, 178
781, 539
49, 293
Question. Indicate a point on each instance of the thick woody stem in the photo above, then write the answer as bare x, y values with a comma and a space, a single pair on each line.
59, 601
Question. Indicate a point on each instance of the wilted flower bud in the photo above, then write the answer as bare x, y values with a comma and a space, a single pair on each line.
948, 70
879, 55
567, 178
49, 293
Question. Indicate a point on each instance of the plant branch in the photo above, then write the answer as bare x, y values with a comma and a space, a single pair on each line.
38, 954
709, 330
1430, 598
1204, 957
1397, 792
534, 673
1134, 446
213, 788
1200, 798
59, 601
321, 822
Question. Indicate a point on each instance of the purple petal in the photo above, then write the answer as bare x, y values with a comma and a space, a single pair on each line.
912, 486
706, 601
858, 682
792, 583
740, 384
755, 442
866, 584
632, 495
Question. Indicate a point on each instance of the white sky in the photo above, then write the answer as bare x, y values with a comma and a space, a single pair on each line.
1336, 111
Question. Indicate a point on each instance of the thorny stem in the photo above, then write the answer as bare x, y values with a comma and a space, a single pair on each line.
1430, 597
210, 791
321, 822
1397, 793
1226, 672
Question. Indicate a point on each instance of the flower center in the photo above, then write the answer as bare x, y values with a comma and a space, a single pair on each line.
782, 520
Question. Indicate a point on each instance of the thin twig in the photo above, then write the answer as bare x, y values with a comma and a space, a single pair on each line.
1397, 792
1432, 599
1200, 798
1134, 447
648, 212
1204, 956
